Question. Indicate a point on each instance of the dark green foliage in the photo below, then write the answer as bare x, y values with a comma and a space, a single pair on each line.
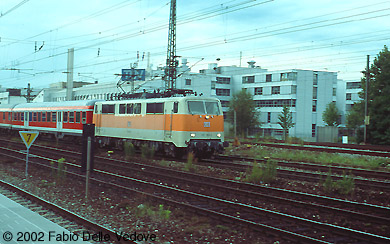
331, 115
285, 121
246, 113
378, 100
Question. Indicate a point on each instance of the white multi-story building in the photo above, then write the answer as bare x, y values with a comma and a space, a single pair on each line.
306, 92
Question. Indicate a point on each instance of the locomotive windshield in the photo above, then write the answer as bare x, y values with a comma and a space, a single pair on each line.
201, 107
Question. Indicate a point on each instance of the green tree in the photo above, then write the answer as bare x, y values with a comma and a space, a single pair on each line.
285, 120
378, 131
246, 113
331, 115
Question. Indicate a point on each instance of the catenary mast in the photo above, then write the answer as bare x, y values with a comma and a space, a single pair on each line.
171, 65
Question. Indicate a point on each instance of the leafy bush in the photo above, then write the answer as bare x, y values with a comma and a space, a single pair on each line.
263, 173
147, 152
129, 149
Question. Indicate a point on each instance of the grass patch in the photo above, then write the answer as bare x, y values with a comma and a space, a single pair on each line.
344, 186
144, 210
265, 173
190, 166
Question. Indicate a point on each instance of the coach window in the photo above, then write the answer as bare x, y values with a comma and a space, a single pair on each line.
21, 116
175, 107
3, 115
9, 116
30, 116
35, 116
48, 116
71, 117
53, 117
39, 116
84, 117
15, 116
43, 116
137, 108
65, 117
77, 117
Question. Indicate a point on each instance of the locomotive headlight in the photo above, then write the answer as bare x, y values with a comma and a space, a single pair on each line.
192, 134
207, 117
219, 135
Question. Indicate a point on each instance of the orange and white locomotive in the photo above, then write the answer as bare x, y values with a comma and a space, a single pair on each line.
173, 125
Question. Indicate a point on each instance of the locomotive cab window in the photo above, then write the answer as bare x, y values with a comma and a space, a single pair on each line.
130, 108
196, 107
212, 108
175, 107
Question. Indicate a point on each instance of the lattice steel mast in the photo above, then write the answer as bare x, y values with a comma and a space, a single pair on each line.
171, 65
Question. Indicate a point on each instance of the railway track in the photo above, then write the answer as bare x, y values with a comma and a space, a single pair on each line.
376, 151
73, 222
220, 206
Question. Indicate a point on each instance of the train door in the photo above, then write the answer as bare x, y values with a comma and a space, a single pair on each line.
59, 120
26, 114
97, 118
171, 110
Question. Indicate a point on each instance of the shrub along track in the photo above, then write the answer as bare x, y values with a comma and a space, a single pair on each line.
248, 208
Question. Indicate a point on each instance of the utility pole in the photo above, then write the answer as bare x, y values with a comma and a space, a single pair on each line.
28, 95
69, 75
171, 65
366, 117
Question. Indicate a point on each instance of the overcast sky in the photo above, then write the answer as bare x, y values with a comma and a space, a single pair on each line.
107, 35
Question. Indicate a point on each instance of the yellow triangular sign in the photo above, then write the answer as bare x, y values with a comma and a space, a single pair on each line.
28, 137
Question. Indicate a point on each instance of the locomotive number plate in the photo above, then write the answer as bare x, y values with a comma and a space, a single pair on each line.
206, 124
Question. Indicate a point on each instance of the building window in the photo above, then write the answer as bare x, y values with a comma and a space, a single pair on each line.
222, 92
283, 77
275, 103
314, 92
248, 79
313, 130
223, 80
315, 79
268, 78
334, 91
188, 82
275, 90
269, 117
258, 90
225, 104
293, 89
314, 109
349, 96
354, 85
